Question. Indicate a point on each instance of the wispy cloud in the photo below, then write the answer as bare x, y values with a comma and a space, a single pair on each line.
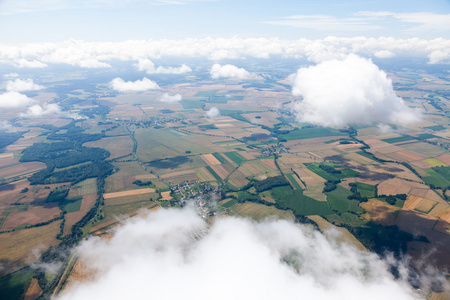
425, 21
12, 7
368, 20
324, 22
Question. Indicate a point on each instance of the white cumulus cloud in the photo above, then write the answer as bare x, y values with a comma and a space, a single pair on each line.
155, 258
39, 110
149, 67
212, 113
14, 99
145, 84
230, 71
19, 85
354, 90
170, 98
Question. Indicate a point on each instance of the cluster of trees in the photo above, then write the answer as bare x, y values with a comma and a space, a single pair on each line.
356, 195
392, 199
100, 110
329, 169
142, 183
7, 138
61, 252
270, 183
330, 185
67, 151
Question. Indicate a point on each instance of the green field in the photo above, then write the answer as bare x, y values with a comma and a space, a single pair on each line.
345, 173
299, 203
224, 99
294, 182
206, 93
210, 170
436, 127
235, 157
398, 139
72, 204
438, 177
309, 133
220, 158
113, 211
192, 104
338, 201
14, 285
426, 136
230, 203
366, 190
154, 144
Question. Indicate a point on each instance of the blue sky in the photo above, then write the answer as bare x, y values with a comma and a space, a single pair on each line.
113, 20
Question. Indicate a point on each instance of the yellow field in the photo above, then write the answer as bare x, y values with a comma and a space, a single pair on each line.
419, 204
210, 159
166, 196
435, 162
380, 212
260, 211
34, 290
345, 235
309, 177
18, 246
204, 175
177, 173
315, 191
128, 193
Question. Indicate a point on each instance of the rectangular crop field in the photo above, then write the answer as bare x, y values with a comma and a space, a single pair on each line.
366, 190
339, 201
209, 93
436, 179
435, 162
300, 204
211, 171
128, 193
309, 133
398, 139
293, 181
220, 158
235, 157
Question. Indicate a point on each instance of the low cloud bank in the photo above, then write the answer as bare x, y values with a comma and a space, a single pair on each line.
145, 84
149, 67
98, 54
354, 90
170, 98
212, 113
156, 258
230, 71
